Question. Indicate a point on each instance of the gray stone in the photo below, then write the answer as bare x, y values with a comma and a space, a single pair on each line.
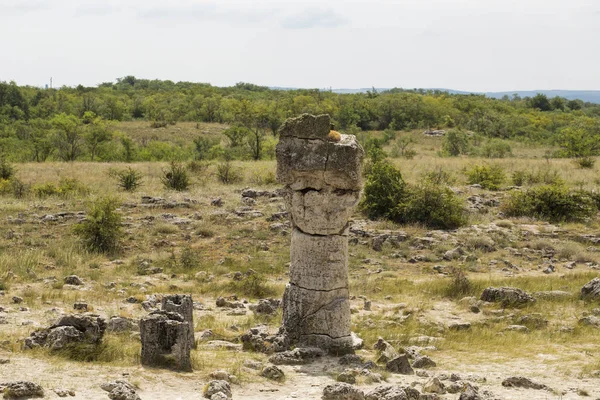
322, 212
434, 386
217, 386
522, 382
62, 336
507, 296
184, 305
273, 373
342, 391
73, 280
400, 365
297, 356
121, 324
165, 341
469, 392
591, 289
22, 389
386, 392
424, 362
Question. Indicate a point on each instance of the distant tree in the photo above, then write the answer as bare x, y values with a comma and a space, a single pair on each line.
97, 132
68, 136
541, 102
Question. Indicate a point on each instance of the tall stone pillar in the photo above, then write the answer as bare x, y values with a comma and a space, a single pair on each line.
321, 171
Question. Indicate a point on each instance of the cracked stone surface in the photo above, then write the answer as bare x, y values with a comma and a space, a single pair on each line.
322, 178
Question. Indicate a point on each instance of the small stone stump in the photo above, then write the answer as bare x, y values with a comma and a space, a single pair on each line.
184, 305
165, 341
321, 171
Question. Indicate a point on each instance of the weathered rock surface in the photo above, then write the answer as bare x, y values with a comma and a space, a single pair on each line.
322, 177
184, 305
400, 365
74, 328
165, 341
522, 382
342, 391
298, 356
591, 289
386, 392
507, 296
22, 389
216, 389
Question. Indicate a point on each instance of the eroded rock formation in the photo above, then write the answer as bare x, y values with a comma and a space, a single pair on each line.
321, 171
166, 341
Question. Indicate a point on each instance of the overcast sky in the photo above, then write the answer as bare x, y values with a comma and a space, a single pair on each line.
475, 45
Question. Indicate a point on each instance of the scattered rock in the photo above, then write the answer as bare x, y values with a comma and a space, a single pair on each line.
64, 392
400, 365
342, 391
216, 387
80, 306
121, 324
273, 373
17, 300
434, 386
591, 289
507, 296
424, 362
73, 280
298, 356
386, 392
522, 382
22, 389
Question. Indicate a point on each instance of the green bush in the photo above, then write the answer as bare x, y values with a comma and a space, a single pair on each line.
384, 191
176, 177
439, 176
455, 143
101, 231
546, 176
127, 179
433, 206
496, 148
386, 195
227, 173
7, 171
66, 187
254, 285
555, 203
585, 162
488, 176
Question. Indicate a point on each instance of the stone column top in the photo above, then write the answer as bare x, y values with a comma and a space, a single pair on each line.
311, 155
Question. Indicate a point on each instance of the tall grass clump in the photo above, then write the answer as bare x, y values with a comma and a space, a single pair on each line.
101, 231
555, 203
488, 176
128, 179
176, 177
7, 171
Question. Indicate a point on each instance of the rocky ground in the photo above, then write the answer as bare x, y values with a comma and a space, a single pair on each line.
420, 301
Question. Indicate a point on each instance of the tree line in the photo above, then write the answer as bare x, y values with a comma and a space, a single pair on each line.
79, 123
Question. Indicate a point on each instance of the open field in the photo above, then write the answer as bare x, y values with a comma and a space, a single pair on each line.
406, 293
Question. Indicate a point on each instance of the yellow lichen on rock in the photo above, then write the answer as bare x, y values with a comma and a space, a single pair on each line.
334, 136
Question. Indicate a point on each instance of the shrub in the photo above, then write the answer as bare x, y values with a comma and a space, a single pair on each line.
496, 148
18, 188
127, 179
460, 286
384, 191
546, 176
159, 124
101, 231
176, 177
263, 177
7, 171
254, 285
456, 142
551, 202
488, 176
67, 187
227, 173
433, 206
439, 176
585, 162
